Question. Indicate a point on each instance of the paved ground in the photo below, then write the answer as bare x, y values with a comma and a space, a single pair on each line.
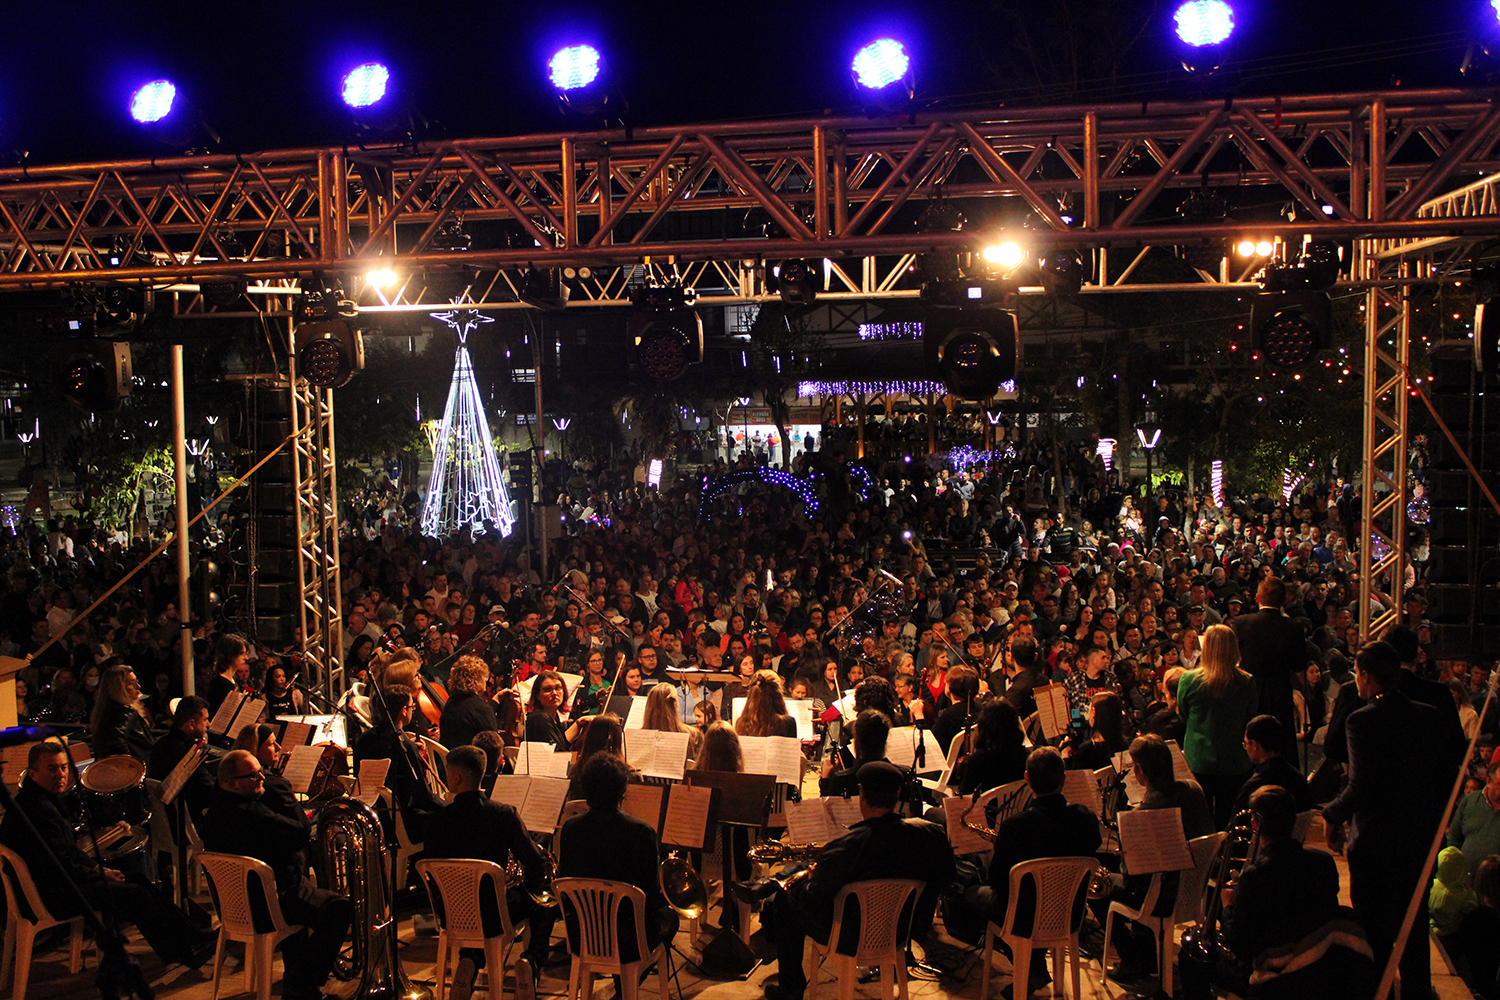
418, 953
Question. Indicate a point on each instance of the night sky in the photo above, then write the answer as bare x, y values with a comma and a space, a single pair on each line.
265, 74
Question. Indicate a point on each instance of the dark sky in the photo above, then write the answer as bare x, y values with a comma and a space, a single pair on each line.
265, 73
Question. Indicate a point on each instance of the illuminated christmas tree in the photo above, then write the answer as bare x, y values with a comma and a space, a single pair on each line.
466, 487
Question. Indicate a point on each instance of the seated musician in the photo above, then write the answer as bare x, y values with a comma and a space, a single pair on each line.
260, 739
1282, 918
605, 843
999, 753
40, 800
1264, 738
544, 721
467, 711
119, 727
871, 730
189, 728
1049, 827
243, 821
883, 845
391, 710
474, 826
961, 685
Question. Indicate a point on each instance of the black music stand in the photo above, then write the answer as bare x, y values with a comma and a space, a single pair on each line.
744, 800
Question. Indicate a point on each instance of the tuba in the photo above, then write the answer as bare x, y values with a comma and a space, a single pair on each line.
352, 861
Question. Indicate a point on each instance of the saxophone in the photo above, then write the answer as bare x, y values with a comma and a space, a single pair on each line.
352, 861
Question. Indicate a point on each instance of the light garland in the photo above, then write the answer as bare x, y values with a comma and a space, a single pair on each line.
10, 516
1216, 481
868, 491
965, 455
848, 388
713, 490
891, 331
466, 487
1106, 451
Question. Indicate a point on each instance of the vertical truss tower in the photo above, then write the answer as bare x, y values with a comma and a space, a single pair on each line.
466, 487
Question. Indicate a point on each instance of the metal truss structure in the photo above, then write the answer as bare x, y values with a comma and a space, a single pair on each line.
318, 567
1383, 170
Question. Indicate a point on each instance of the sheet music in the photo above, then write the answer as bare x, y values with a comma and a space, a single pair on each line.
251, 710
801, 709
1053, 710
753, 750
846, 707
901, 746
301, 766
13, 762
1152, 841
644, 803
784, 755
686, 824
845, 812
1081, 789
808, 822
180, 774
637, 717
1180, 769
657, 755
533, 757
296, 734
552, 765
964, 840
571, 684
511, 790
739, 707
225, 715
371, 779
544, 803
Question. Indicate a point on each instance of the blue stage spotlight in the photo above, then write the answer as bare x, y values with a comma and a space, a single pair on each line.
881, 63
573, 67
151, 102
365, 85
1204, 22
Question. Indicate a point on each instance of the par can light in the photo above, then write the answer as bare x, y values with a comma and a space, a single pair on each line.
365, 85
881, 63
151, 102
1204, 22
573, 67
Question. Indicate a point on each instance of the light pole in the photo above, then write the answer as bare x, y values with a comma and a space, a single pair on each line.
1148, 434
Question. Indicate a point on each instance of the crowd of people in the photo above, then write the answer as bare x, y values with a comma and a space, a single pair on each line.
910, 595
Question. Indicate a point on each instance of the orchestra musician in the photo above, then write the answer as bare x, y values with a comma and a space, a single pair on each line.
872, 728
882, 845
260, 739
999, 752
1264, 739
544, 722
407, 778
475, 826
241, 821
231, 667
961, 687
189, 728
119, 727
52, 852
467, 711
605, 843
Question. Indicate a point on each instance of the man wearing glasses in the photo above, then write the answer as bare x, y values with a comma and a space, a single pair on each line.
242, 821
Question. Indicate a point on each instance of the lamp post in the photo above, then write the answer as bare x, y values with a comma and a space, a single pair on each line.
1148, 434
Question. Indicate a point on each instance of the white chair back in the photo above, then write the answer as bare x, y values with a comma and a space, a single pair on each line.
1190, 886
885, 907
1058, 882
229, 877
18, 879
455, 888
597, 905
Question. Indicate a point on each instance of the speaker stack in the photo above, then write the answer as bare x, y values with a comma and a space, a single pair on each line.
266, 538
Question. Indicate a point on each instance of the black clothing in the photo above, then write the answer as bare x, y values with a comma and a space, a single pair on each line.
1398, 783
260, 828
989, 768
1440, 697
1272, 649
1284, 893
406, 779
608, 844
1336, 741
1275, 770
164, 927
950, 722
1018, 692
121, 730
1047, 828
465, 715
1166, 723
198, 792
1091, 756
882, 847
541, 727
474, 826
219, 688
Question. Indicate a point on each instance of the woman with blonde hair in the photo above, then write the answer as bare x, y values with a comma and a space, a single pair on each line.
765, 709
119, 727
1215, 701
399, 670
467, 712
664, 716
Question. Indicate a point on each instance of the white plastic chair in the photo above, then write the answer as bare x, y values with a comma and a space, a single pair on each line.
455, 888
1188, 910
229, 878
884, 926
406, 848
596, 903
1058, 918
21, 930
164, 841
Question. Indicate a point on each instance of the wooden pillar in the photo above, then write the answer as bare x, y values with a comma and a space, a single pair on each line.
932, 417
859, 412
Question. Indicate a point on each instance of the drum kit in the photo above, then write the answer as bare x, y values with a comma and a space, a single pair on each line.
114, 793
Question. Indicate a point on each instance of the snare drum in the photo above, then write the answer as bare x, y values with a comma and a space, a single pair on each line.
115, 789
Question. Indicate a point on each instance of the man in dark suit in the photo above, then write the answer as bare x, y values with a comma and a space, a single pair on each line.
189, 728
40, 800
1263, 739
1049, 827
872, 729
1272, 649
242, 821
1403, 639
605, 843
1021, 676
1393, 805
882, 845
474, 826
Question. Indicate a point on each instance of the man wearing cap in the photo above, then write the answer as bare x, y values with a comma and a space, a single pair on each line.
881, 846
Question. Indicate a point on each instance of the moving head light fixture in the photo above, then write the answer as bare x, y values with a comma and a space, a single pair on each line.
796, 281
329, 349
969, 337
1292, 319
664, 329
